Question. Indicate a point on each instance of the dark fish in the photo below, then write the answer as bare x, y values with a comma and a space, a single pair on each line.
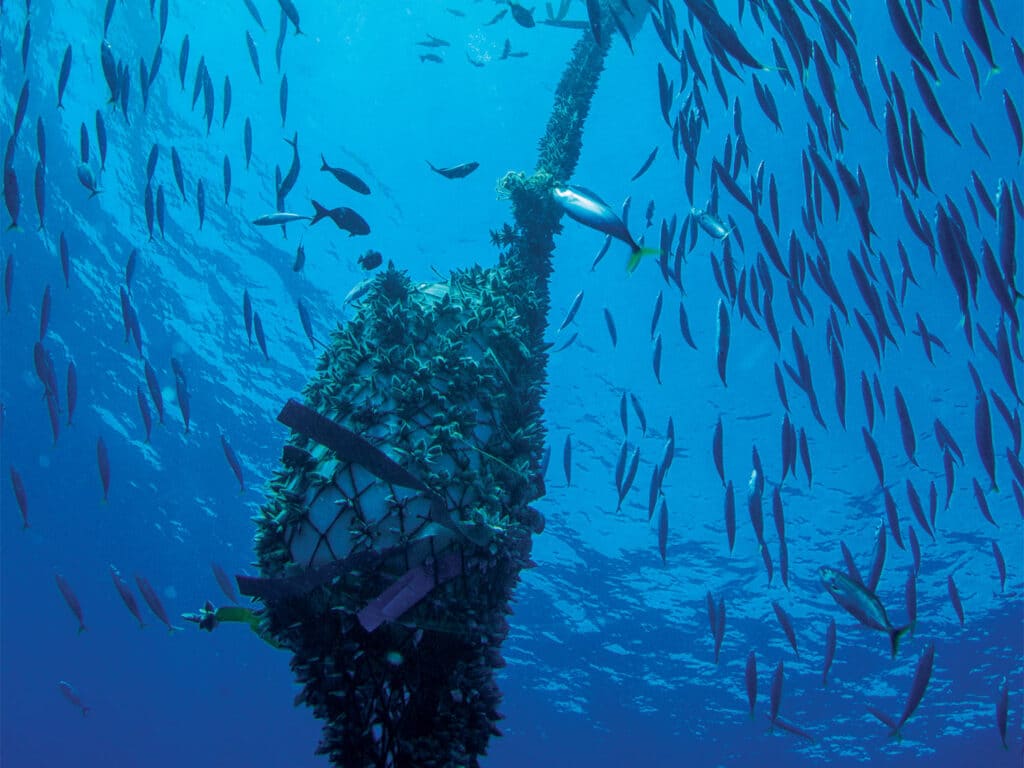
722, 339
201, 202
147, 420
787, 626
40, 190
227, 178
179, 175
12, 197
126, 595
593, 15
647, 164
254, 11
906, 427
247, 142
247, 314
454, 172
20, 496
72, 600
154, 391
716, 449
922, 675
523, 17
226, 108
109, 66
101, 139
830, 650
775, 695
908, 35
150, 596
236, 467
348, 178
971, 10
730, 514
261, 340
1002, 708
684, 326
103, 462
979, 497
370, 260
307, 325
610, 323
282, 99
931, 103
344, 218
69, 693
62, 79
567, 459
750, 677
657, 358
291, 13
663, 529
72, 390
983, 437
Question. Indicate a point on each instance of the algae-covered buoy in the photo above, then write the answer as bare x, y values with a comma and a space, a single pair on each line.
396, 526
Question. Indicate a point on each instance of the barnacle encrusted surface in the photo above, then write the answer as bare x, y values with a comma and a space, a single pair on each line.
443, 378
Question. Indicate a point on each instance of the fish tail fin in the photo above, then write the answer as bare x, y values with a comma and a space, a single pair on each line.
319, 212
638, 254
82, 628
323, 162
895, 635
428, 162
293, 143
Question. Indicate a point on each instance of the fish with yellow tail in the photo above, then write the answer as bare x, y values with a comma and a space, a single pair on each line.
591, 211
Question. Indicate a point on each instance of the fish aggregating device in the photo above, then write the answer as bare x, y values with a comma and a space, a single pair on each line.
396, 526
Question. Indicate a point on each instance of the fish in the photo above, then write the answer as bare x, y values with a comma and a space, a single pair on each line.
153, 601
147, 420
72, 600
1002, 708
459, 171
775, 694
201, 202
103, 462
862, 604
722, 340
954, 598
12, 197
922, 675
750, 677
830, 650
307, 325
282, 99
347, 178
68, 692
608, 320
663, 530
227, 178
261, 339
573, 309
522, 16
787, 626
72, 389
247, 142
567, 460
278, 217
716, 450
247, 314
63, 76
255, 13
254, 55
588, 209
154, 390
291, 13
344, 218
906, 427
370, 260
236, 467
226, 102
20, 496
126, 595
684, 326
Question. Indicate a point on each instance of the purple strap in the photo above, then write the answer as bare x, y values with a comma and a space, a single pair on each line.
409, 589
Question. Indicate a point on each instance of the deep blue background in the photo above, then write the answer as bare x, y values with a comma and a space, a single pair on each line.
610, 657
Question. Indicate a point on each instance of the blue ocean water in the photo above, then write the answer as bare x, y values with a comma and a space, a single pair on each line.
610, 657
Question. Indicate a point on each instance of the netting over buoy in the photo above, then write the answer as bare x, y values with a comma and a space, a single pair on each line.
440, 378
